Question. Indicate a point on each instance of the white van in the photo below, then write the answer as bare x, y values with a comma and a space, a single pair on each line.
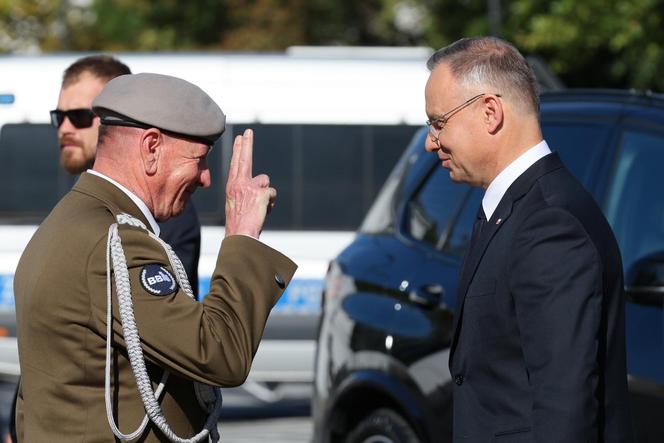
329, 125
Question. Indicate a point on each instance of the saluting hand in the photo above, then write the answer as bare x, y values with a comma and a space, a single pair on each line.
248, 199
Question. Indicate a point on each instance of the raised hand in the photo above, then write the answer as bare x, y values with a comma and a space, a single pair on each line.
248, 199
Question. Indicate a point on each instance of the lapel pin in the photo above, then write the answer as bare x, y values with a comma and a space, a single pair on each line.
498, 221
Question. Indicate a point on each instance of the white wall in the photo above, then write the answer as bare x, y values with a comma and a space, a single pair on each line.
265, 88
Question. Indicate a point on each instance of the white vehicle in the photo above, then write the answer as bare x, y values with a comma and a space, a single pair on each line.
329, 125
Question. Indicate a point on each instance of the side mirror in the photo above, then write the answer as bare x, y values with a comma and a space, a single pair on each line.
427, 296
644, 283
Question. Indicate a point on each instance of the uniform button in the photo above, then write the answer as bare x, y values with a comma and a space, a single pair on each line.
458, 380
280, 280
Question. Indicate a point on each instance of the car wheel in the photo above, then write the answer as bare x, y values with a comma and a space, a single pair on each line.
383, 426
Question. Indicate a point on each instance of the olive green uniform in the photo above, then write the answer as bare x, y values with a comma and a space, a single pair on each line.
61, 297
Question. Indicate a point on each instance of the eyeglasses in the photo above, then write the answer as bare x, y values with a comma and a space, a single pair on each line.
438, 124
80, 118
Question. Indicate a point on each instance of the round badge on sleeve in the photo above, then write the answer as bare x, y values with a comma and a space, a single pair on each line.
157, 280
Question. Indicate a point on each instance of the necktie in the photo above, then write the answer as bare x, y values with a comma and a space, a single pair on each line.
480, 222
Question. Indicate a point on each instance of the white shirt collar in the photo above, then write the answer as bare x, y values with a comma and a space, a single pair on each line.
499, 186
142, 206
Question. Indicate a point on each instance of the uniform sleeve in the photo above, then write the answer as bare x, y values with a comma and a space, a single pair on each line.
213, 341
556, 284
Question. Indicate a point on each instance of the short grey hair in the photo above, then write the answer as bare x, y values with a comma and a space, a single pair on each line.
103, 135
491, 62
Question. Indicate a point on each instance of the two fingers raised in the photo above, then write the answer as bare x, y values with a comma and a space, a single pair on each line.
248, 199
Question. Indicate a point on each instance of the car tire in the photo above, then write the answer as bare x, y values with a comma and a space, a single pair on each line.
383, 426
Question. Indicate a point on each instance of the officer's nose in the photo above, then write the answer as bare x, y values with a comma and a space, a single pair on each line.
204, 177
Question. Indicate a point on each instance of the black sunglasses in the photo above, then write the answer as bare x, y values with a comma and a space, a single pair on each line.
80, 118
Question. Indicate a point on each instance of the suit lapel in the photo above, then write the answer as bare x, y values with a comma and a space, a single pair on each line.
517, 190
500, 215
474, 257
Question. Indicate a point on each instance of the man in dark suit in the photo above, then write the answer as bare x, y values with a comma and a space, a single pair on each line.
538, 353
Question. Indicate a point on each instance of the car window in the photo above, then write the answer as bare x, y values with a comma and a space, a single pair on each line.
381, 217
579, 145
433, 208
634, 206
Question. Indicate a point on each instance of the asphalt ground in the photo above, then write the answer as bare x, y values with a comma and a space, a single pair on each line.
285, 418
273, 430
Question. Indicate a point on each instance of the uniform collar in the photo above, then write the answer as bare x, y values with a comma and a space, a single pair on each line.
507, 176
134, 198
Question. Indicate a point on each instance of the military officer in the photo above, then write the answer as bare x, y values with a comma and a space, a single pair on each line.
98, 246
78, 128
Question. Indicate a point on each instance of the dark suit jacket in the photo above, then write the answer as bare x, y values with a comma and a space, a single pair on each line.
183, 233
60, 289
538, 353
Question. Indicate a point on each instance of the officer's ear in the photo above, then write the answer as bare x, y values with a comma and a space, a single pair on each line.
152, 145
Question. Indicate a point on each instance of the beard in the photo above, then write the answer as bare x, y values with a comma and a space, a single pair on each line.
73, 156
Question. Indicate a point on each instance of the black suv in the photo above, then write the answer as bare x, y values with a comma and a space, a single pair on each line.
381, 370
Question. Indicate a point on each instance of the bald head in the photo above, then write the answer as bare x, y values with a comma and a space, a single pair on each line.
118, 156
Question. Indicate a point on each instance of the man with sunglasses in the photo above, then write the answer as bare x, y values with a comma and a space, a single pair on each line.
538, 351
77, 125
104, 313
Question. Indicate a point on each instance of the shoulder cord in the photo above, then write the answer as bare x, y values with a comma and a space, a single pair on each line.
205, 394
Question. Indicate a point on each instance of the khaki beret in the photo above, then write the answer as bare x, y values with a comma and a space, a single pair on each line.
163, 102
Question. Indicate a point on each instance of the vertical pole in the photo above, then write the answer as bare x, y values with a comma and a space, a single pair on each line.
65, 39
493, 7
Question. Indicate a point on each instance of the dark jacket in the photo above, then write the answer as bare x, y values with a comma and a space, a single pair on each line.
538, 353
183, 233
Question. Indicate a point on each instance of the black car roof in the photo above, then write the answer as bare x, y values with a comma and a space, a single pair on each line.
616, 96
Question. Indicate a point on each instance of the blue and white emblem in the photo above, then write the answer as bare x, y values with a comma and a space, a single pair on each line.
157, 280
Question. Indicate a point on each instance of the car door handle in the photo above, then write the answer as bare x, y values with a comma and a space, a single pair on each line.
427, 295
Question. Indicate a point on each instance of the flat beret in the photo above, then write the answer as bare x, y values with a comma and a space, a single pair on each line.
160, 101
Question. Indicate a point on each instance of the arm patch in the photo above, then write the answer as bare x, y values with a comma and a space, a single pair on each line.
158, 280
